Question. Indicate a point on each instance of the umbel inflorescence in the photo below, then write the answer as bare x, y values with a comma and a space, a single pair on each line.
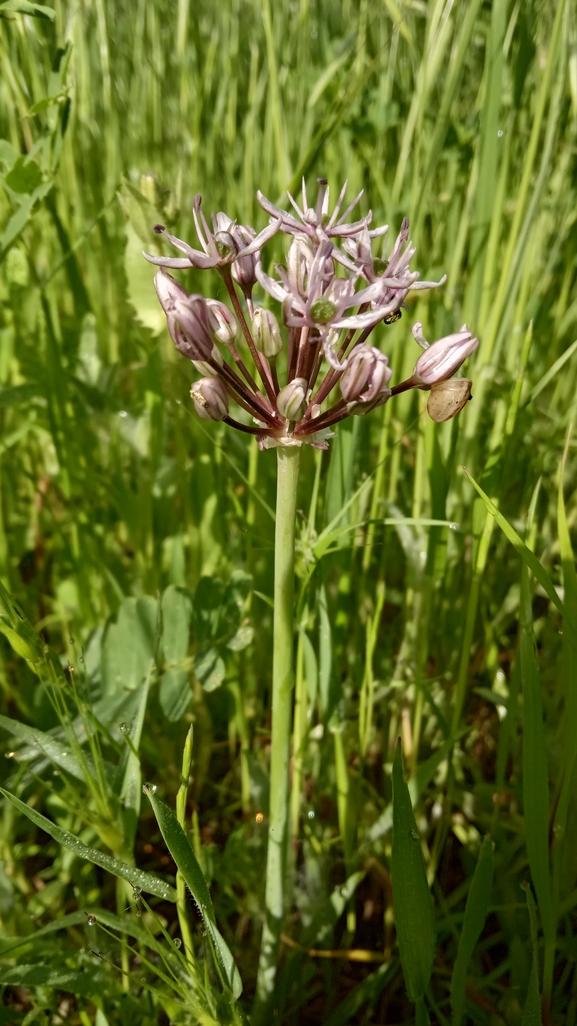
332, 292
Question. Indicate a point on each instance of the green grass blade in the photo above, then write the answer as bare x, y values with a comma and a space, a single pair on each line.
414, 917
535, 769
146, 881
55, 750
27, 642
182, 853
529, 558
475, 914
532, 1008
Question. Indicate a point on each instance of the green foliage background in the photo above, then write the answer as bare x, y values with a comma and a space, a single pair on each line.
115, 503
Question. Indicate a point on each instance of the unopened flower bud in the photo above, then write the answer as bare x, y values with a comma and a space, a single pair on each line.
447, 398
291, 399
266, 333
190, 327
299, 262
244, 267
205, 368
441, 359
367, 374
210, 398
222, 322
168, 290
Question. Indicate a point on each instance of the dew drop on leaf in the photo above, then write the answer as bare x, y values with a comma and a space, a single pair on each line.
124, 728
177, 942
90, 920
149, 788
413, 835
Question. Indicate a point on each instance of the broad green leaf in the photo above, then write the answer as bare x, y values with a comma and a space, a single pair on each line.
414, 919
174, 693
130, 772
475, 914
242, 639
146, 881
129, 644
24, 177
532, 1007
185, 859
209, 669
176, 609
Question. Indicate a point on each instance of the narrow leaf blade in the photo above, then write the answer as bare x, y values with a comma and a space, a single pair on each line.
182, 853
413, 910
146, 881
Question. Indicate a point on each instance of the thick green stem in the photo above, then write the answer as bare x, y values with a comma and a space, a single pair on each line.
282, 697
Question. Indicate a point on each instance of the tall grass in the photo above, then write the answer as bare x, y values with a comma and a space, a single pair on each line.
117, 506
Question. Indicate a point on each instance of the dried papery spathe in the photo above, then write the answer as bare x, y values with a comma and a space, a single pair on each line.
447, 398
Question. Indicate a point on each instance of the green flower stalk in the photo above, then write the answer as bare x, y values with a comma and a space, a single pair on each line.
332, 293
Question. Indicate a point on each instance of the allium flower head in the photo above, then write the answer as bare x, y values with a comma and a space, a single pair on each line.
332, 292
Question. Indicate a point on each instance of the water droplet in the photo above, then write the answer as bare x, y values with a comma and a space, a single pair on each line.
138, 913
70, 669
178, 402
413, 835
149, 788
137, 891
500, 133
70, 641
90, 919
259, 817
177, 942
10, 755
311, 814
124, 728
123, 413
453, 527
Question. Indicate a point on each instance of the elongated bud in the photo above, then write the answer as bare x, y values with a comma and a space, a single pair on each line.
266, 333
210, 398
367, 374
447, 398
222, 322
244, 267
299, 262
441, 359
168, 290
191, 328
291, 399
